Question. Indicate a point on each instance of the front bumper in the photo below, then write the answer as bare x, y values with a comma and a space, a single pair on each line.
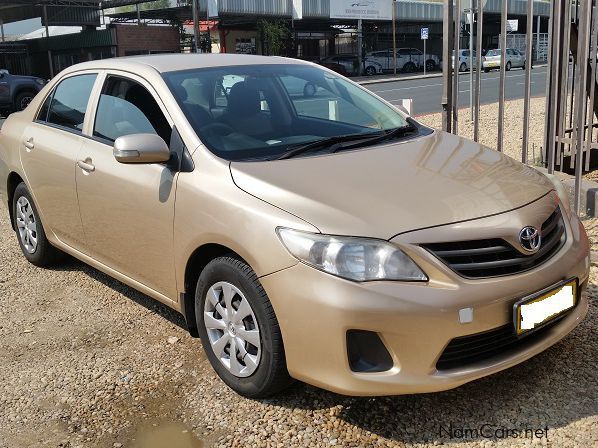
415, 321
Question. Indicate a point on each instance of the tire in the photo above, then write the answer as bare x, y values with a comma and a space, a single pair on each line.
430, 65
29, 230
508, 66
267, 373
22, 100
370, 70
409, 67
486, 70
463, 67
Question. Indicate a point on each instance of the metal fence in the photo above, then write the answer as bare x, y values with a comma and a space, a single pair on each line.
571, 92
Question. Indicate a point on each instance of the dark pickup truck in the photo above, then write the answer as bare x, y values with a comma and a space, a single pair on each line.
17, 91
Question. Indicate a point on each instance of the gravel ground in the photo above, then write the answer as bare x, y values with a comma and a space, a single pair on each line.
89, 362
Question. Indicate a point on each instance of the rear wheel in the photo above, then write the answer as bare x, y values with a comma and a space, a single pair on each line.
29, 229
463, 67
508, 66
430, 65
239, 330
486, 70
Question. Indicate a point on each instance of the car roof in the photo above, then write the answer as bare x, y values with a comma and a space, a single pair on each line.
175, 62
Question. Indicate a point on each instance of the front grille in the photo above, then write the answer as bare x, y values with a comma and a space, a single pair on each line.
495, 257
470, 349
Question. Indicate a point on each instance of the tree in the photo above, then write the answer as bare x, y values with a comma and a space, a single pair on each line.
274, 34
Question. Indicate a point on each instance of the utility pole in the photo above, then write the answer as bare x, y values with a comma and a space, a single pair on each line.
195, 24
50, 64
360, 46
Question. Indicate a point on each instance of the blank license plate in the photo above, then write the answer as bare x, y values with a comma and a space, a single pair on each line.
533, 312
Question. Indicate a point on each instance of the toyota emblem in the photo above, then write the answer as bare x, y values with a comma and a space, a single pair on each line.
530, 239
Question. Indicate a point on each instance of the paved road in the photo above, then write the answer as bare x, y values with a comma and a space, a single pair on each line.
427, 93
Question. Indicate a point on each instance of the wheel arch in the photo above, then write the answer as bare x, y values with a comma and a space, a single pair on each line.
198, 260
14, 179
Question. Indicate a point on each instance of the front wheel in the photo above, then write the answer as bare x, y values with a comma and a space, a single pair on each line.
22, 100
430, 65
239, 330
29, 229
370, 70
462, 67
508, 66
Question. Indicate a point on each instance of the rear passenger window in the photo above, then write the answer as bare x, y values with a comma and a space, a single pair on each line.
69, 102
125, 108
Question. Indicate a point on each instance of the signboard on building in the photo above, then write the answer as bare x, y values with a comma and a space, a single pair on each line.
212, 8
424, 33
297, 9
512, 25
361, 9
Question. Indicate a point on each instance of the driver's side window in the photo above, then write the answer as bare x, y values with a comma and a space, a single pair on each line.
126, 107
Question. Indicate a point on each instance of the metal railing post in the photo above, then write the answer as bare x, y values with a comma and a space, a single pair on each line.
581, 105
528, 78
592, 80
478, 47
447, 75
456, 45
503, 67
552, 83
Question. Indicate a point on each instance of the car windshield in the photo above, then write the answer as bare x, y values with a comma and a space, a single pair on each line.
493, 53
261, 111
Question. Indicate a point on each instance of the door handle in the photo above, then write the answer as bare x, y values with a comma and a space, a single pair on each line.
86, 165
29, 143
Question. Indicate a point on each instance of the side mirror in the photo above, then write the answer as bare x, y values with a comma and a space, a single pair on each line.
141, 148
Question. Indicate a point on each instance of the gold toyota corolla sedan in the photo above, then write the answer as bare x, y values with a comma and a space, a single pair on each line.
304, 227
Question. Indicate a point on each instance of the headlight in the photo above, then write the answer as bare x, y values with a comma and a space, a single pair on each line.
358, 259
40, 81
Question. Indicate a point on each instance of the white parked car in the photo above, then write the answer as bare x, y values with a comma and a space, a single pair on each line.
515, 58
465, 60
408, 59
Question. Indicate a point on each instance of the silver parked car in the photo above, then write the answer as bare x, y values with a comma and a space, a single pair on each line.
515, 58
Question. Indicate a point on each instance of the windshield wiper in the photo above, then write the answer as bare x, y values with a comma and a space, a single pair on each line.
324, 142
388, 135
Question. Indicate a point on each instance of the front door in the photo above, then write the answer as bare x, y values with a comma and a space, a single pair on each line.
48, 152
128, 209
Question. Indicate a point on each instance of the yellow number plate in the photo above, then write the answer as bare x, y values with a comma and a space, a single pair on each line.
539, 309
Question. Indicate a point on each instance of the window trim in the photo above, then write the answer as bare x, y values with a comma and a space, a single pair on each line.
53, 91
95, 99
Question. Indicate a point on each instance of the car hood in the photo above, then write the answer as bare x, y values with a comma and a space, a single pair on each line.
394, 188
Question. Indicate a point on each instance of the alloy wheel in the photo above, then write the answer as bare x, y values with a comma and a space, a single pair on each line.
26, 224
232, 329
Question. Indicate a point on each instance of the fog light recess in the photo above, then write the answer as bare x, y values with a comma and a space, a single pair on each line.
367, 352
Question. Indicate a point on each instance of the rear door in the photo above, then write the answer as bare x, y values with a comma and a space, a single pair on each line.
49, 152
127, 210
